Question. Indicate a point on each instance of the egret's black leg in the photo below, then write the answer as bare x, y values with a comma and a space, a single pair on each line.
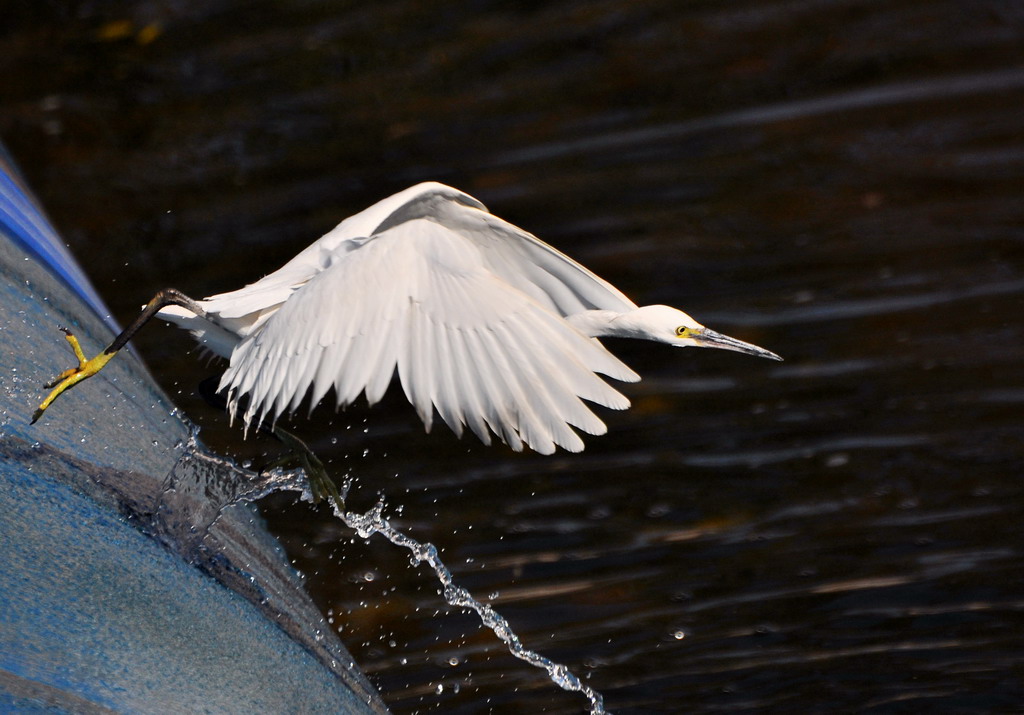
87, 368
321, 486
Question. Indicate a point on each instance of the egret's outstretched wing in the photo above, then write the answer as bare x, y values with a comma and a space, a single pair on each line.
421, 297
520, 258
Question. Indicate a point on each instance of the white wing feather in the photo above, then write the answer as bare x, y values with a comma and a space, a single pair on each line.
520, 258
442, 295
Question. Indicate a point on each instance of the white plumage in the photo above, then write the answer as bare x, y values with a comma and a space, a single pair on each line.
486, 324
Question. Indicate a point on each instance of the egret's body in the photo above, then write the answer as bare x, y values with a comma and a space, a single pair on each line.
484, 322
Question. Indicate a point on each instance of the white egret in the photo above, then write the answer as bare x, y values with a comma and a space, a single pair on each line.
486, 324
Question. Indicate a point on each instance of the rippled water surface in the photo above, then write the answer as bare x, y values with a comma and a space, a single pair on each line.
838, 181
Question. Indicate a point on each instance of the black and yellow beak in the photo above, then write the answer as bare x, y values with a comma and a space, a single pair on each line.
707, 338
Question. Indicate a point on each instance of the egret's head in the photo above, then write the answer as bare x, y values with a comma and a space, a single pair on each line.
672, 326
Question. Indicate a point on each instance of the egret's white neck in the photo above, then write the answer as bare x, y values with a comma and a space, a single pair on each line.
608, 323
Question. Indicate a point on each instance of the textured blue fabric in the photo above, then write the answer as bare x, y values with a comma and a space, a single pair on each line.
100, 608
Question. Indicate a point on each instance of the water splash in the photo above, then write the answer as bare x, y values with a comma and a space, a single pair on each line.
203, 485
374, 522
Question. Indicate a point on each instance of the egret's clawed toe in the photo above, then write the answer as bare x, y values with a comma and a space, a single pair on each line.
73, 375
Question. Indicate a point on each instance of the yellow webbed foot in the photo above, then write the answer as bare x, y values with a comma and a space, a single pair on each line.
72, 376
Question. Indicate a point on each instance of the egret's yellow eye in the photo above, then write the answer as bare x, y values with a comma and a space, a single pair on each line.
681, 331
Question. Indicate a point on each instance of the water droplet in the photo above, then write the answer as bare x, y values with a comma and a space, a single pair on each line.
679, 635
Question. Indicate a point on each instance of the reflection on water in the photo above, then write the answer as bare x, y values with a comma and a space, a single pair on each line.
837, 181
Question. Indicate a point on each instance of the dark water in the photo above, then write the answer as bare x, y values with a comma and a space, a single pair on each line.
840, 182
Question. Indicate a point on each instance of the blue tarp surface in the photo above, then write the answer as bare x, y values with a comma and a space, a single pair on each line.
125, 585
